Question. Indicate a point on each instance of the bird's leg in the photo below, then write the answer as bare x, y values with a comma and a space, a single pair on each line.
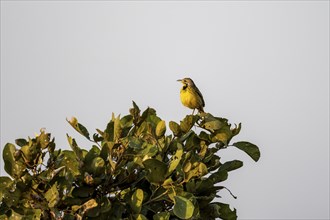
193, 112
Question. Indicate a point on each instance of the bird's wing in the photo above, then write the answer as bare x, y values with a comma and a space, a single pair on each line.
200, 95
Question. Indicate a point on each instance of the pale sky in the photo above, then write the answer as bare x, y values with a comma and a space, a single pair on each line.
265, 64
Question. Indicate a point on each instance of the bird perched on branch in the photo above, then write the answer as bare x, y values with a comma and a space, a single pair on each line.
190, 95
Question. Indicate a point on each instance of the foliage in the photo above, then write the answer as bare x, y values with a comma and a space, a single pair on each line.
133, 170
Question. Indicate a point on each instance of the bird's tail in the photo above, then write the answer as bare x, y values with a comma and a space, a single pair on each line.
201, 110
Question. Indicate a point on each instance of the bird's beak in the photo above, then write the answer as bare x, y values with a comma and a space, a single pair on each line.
179, 80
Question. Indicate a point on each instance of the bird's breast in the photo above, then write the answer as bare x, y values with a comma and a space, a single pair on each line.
188, 99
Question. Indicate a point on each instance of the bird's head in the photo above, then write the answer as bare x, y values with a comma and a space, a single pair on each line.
186, 82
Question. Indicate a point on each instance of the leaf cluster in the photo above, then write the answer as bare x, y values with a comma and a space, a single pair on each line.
133, 170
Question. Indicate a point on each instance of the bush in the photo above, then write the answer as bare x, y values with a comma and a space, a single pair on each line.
132, 171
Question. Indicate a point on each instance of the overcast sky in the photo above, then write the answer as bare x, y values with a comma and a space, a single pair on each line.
265, 64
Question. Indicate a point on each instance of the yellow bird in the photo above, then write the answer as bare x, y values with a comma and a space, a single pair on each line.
190, 95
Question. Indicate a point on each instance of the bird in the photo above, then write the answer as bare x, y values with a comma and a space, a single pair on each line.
190, 95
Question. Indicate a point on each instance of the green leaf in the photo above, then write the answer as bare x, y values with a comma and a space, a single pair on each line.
136, 201
187, 167
78, 127
32, 153
197, 169
97, 138
12, 198
149, 150
223, 135
175, 160
106, 149
212, 123
160, 129
225, 212
83, 191
153, 119
69, 160
43, 139
202, 169
218, 210
14, 168
117, 211
204, 136
49, 174
97, 166
213, 162
140, 217
162, 216
5, 183
135, 143
91, 164
188, 122
89, 206
92, 153
109, 131
52, 196
13, 215
117, 129
251, 149
105, 205
235, 131
175, 128
183, 208
204, 186
73, 144
190, 135
135, 112
143, 128
231, 165
126, 125
21, 142
93, 212
203, 149
126, 121
31, 214
149, 115
156, 170
27, 154
219, 176
64, 183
